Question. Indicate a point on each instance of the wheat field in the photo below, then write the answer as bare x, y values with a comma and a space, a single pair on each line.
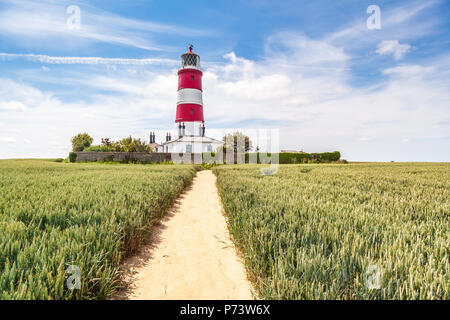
355, 231
89, 216
313, 231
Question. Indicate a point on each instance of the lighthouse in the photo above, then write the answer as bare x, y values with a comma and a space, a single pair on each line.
189, 119
189, 96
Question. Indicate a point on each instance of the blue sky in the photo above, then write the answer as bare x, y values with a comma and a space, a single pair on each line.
311, 69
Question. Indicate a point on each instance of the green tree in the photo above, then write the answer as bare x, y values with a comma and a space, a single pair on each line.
238, 141
117, 146
81, 141
128, 144
107, 142
142, 146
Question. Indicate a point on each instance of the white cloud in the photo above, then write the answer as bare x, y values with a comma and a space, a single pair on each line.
7, 139
12, 106
302, 50
311, 102
16, 95
394, 48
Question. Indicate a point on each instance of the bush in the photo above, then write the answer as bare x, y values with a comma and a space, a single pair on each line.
72, 157
134, 145
101, 148
327, 156
82, 142
292, 158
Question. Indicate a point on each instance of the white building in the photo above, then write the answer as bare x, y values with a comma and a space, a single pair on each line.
190, 144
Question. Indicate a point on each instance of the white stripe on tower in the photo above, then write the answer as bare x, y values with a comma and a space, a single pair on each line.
189, 96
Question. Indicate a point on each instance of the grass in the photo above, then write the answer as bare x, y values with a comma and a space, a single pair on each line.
53, 215
316, 231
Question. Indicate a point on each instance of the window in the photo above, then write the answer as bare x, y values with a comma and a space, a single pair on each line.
209, 148
189, 148
191, 112
167, 149
192, 78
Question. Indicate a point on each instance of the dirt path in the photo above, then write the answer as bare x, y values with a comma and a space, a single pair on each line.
191, 255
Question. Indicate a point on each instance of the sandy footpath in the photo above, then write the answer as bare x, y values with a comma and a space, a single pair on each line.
191, 255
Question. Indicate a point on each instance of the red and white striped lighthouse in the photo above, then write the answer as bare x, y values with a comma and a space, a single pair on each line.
189, 117
189, 102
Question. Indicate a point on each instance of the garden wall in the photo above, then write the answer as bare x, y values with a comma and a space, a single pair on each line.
123, 156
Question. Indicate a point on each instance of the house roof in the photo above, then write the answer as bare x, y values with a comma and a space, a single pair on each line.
194, 139
154, 144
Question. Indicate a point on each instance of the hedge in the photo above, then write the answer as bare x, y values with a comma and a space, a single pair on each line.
303, 157
292, 158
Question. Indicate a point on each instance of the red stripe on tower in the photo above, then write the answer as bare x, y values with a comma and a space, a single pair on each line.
189, 102
188, 112
190, 78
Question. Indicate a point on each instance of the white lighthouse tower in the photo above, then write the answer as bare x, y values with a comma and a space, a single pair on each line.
190, 122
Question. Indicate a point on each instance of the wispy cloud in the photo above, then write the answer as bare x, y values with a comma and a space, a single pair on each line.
47, 21
397, 21
86, 60
409, 70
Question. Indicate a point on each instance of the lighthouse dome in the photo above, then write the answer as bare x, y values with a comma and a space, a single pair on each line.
190, 59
